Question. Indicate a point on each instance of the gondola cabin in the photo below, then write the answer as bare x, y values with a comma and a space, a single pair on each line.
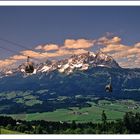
108, 88
29, 68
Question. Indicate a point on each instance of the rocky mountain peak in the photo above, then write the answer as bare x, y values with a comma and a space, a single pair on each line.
79, 62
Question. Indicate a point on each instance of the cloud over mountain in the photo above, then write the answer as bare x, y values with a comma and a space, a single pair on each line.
125, 55
47, 47
78, 44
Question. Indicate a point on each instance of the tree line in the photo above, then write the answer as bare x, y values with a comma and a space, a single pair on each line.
129, 124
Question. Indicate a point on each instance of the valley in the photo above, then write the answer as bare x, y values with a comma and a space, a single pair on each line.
114, 110
70, 89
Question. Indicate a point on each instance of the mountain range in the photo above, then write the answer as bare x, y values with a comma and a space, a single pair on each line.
83, 74
79, 62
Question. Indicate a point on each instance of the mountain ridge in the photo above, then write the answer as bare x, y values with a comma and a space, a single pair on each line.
79, 62
66, 77
48, 90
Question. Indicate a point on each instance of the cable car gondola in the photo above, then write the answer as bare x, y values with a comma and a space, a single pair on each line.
108, 87
29, 68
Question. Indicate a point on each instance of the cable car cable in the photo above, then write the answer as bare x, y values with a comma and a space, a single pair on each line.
29, 67
19, 45
14, 43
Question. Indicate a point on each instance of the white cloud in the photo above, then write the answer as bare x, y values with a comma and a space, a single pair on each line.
47, 47
78, 44
127, 56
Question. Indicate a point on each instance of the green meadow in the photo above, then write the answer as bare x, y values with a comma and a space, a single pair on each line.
5, 131
114, 110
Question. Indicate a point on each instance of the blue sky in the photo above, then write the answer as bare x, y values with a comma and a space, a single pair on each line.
33, 26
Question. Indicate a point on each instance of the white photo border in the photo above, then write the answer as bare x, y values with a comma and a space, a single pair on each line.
69, 3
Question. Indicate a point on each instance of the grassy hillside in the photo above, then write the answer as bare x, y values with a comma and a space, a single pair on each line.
5, 131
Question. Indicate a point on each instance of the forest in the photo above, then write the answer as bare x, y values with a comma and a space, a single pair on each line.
129, 124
